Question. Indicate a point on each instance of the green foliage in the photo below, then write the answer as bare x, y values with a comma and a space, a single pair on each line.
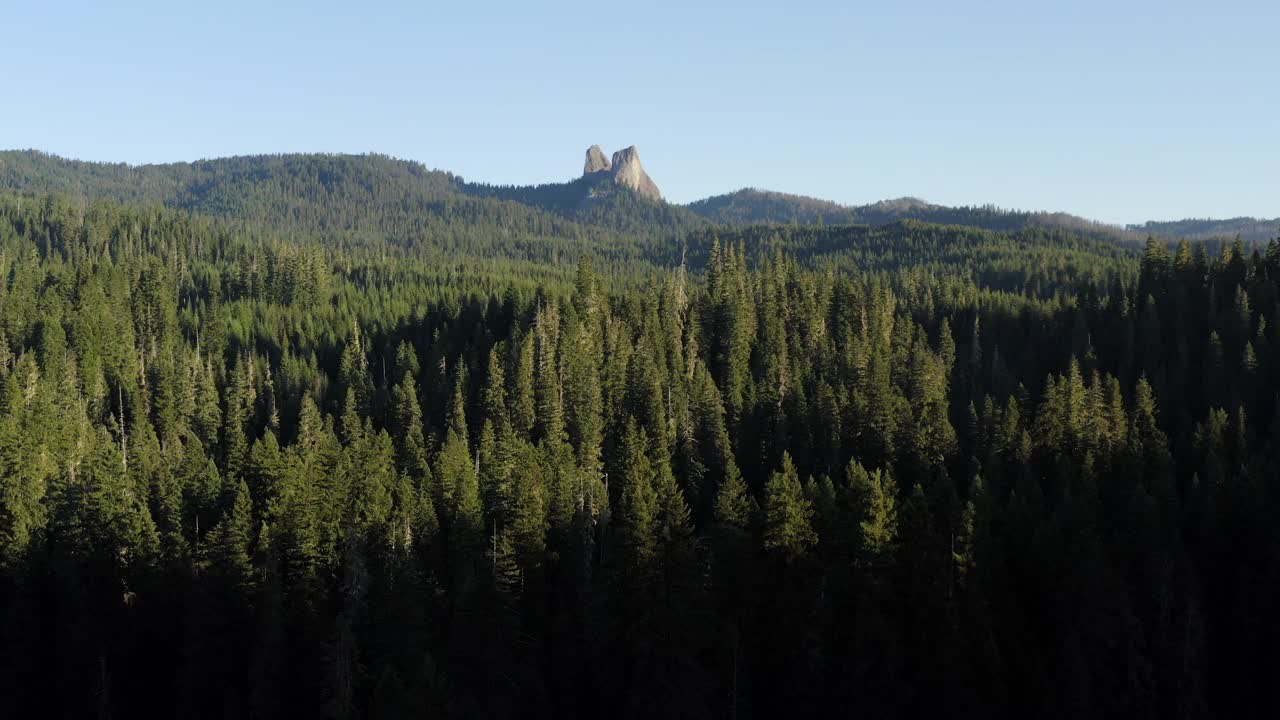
638, 508
369, 443
733, 509
876, 500
788, 527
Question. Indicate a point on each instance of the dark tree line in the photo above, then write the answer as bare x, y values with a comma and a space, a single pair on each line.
890, 472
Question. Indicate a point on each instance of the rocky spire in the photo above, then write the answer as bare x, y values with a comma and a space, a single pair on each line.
625, 169
628, 171
596, 161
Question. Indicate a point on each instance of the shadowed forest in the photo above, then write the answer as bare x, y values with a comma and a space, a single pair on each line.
319, 443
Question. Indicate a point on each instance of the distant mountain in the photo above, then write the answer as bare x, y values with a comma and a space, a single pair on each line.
616, 193
405, 201
751, 207
257, 186
357, 193
1246, 228
988, 217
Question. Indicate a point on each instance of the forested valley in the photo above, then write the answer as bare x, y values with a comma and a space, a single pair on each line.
307, 452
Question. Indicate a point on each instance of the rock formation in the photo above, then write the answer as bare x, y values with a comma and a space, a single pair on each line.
625, 169
596, 161
628, 171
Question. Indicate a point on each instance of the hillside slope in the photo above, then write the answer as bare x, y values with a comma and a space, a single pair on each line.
750, 206
1247, 229
350, 194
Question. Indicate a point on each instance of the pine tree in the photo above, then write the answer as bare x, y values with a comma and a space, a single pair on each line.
637, 510
788, 527
494, 461
946, 347
240, 398
671, 520
24, 470
548, 387
495, 393
229, 545
207, 417
369, 475
459, 505
522, 406
583, 400
875, 498
645, 399
353, 373
733, 507
410, 440
527, 516
266, 473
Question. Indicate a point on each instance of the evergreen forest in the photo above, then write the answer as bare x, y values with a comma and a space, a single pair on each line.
335, 437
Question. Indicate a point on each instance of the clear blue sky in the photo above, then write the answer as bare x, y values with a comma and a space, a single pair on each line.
1120, 111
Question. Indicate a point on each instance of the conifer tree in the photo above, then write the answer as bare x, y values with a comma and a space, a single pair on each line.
875, 497
409, 435
459, 505
732, 507
266, 473
637, 510
527, 517
240, 398
788, 528
548, 389
521, 401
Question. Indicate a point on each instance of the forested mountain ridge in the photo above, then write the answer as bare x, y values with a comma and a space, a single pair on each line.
351, 195
750, 206
377, 202
1247, 228
359, 194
